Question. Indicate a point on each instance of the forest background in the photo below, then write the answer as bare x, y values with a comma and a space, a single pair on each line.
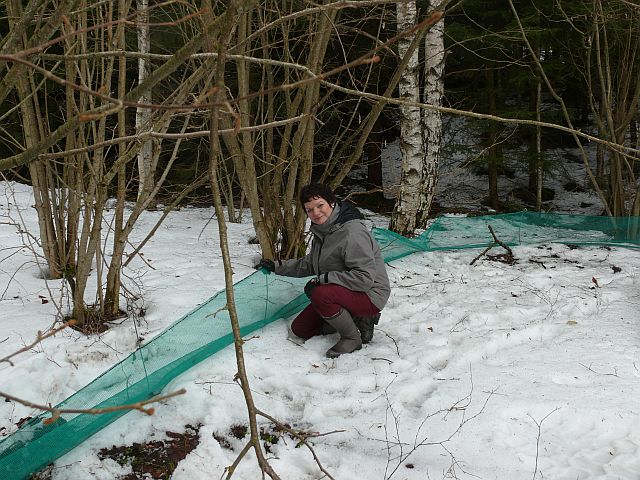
131, 107
177, 102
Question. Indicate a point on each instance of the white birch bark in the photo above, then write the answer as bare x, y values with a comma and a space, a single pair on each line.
408, 201
146, 167
432, 119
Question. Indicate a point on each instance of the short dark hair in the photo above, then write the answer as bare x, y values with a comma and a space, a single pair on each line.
317, 190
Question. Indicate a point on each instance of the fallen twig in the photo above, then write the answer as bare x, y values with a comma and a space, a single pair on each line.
393, 340
539, 425
615, 374
496, 241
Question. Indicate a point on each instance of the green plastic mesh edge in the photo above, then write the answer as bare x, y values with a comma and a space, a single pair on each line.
260, 300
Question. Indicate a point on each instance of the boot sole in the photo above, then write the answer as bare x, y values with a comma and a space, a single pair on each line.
333, 354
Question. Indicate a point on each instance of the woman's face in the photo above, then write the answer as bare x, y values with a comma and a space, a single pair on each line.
318, 210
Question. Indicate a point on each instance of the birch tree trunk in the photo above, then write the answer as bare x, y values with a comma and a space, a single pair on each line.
403, 220
146, 157
432, 119
421, 131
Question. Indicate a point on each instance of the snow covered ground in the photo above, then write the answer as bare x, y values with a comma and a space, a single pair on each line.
490, 371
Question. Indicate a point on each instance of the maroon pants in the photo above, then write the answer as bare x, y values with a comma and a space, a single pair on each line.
326, 301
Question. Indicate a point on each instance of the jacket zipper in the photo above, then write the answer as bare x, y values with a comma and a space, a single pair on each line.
318, 272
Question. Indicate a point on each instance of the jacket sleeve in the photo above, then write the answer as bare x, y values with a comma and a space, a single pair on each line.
359, 260
297, 267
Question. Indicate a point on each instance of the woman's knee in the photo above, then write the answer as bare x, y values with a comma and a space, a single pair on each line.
322, 295
324, 301
303, 328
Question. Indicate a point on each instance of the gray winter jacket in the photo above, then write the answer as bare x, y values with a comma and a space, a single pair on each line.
343, 252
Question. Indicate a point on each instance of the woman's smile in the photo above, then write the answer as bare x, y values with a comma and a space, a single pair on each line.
318, 210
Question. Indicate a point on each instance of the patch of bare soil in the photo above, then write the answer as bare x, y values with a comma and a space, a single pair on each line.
269, 436
44, 474
157, 459
95, 322
503, 258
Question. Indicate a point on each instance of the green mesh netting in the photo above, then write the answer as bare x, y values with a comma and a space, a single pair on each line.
523, 228
261, 299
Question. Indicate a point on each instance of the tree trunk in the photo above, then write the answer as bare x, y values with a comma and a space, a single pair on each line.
539, 163
305, 136
215, 153
362, 132
493, 150
535, 145
374, 157
241, 146
29, 101
432, 119
112, 292
618, 80
146, 158
404, 218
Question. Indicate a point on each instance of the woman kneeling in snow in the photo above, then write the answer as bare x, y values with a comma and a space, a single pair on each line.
350, 285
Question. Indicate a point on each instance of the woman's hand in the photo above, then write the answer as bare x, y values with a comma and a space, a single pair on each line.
311, 284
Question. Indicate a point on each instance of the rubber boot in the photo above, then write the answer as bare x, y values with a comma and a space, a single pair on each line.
327, 329
365, 325
350, 340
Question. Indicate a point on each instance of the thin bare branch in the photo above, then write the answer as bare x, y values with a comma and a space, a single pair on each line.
122, 21
230, 470
57, 412
485, 116
141, 137
39, 338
